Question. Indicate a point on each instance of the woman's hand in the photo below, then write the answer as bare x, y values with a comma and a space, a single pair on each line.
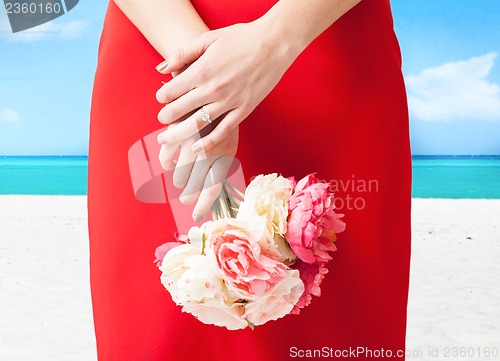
200, 175
229, 71
226, 73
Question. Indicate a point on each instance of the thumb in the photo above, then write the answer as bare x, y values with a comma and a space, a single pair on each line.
185, 55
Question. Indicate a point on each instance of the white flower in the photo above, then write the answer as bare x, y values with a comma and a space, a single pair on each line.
219, 313
197, 234
187, 275
277, 304
266, 197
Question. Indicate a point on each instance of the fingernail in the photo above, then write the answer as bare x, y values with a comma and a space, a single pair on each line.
197, 218
162, 66
196, 148
161, 139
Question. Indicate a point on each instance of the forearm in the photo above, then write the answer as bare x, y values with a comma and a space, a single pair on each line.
297, 22
166, 24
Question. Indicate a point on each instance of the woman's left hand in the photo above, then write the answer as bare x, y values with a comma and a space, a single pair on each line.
202, 175
229, 72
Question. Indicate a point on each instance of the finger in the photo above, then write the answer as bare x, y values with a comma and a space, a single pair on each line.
185, 55
192, 125
174, 89
212, 187
191, 101
184, 164
221, 131
196, 180
166, 156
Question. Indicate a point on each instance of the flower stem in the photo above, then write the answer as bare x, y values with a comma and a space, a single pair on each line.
234, 189
226, 205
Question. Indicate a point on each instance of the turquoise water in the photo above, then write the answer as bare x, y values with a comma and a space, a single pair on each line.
433, 176
456, 177
43, 175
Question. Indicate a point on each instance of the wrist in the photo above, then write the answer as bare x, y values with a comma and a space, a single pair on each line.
185, 35
283, 32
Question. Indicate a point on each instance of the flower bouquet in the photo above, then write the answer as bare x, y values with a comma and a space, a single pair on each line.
259, 258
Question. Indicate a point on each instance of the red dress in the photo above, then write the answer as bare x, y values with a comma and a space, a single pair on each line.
340, 111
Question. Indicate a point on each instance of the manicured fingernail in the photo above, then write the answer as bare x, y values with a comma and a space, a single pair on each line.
197, 218
196, 148
162, 66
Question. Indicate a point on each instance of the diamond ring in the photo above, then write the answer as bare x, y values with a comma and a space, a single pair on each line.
205, 116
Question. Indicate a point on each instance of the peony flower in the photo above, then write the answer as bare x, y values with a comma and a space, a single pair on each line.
219, 313
312, 222
197, 235
181, 276
188, 276
260, 266
312, 276
162, 250
278, 303
267, 196
194, 237
235, 254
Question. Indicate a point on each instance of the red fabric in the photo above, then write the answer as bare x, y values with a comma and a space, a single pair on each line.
339, 111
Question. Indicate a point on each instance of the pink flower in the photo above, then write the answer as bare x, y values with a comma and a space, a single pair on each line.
312, 275
312, 223
162, 250
236, 255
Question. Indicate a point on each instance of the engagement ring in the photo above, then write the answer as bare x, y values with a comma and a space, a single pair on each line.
205, 116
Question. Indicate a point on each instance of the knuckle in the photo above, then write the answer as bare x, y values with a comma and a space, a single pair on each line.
179, 55
210, 143
170, 137
167, 98
199, 121
186, 199
226, 129
219, 86
179, 180
188, 196
201, 74
213, 191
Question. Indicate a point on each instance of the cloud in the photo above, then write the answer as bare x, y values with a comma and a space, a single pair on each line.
73, 29
8, 115
60, 30
456, 90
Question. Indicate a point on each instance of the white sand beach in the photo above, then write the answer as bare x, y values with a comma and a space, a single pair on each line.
46, 314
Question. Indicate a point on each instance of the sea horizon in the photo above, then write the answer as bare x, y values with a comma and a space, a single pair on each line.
434, 176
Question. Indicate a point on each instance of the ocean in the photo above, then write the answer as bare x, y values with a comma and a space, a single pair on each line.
433, 176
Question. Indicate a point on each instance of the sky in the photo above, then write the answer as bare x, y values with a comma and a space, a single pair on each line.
451, 64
